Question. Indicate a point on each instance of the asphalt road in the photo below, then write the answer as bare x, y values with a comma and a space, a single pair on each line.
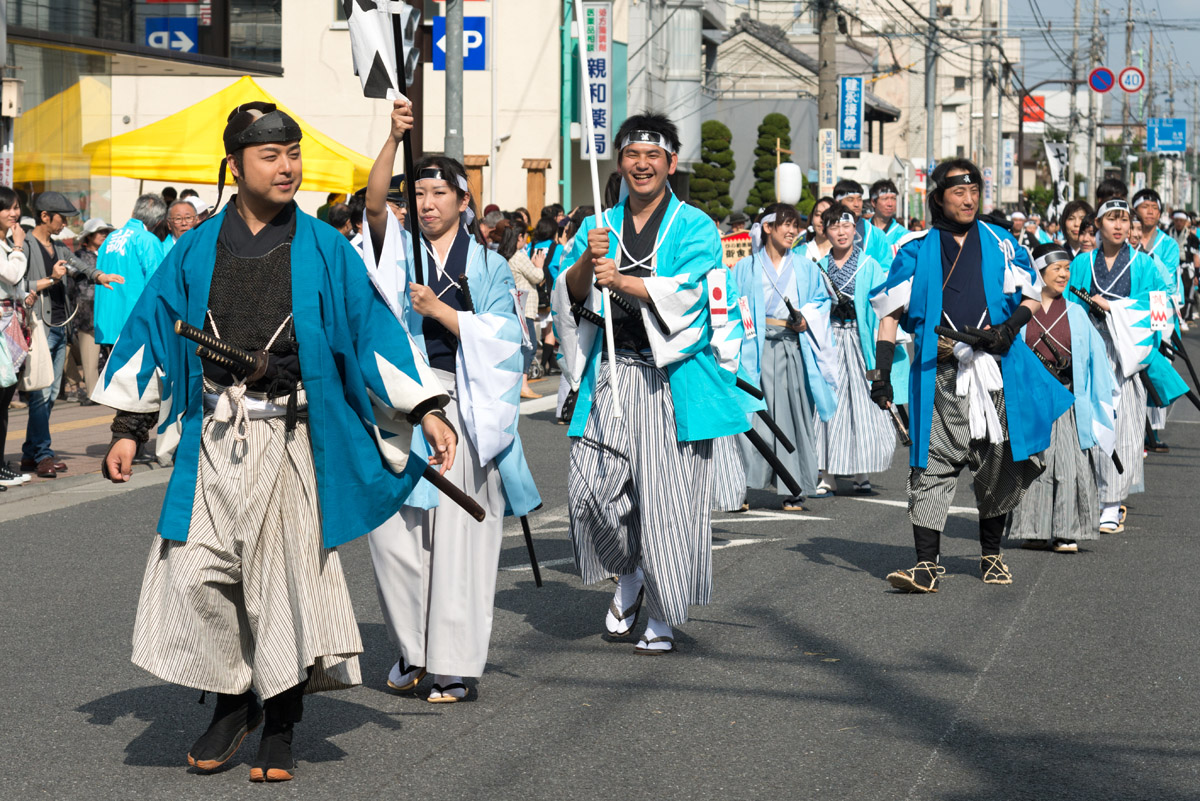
806, 678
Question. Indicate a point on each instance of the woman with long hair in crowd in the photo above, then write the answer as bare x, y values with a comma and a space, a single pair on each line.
1072, 216
12, 294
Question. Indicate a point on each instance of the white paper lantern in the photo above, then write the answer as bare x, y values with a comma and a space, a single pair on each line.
789, 183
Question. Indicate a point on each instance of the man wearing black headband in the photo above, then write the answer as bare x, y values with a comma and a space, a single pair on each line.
987, 406
885, 198
866, 236
243, 594
640, 479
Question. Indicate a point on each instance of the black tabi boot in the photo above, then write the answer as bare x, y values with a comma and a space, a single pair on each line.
274, 762
234, 718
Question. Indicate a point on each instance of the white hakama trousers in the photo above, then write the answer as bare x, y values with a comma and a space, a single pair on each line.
638, 497
252, 599
436, 569
1115, 487
729, 476
860, 437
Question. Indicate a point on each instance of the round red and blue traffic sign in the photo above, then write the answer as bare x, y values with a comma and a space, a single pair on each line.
1101, 79
1132, 79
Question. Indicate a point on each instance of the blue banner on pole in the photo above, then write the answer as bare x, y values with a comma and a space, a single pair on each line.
1166, 134
850, 114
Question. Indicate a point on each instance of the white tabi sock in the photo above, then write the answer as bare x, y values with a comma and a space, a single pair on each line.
860, 478
1110, 513
628, 588
442, 680
656, 628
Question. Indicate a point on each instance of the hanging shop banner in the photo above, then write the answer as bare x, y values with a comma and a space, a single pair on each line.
597, 49
850, 114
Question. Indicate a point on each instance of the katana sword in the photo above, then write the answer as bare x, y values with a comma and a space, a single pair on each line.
252, 366
465, 286
893, 412
781, 471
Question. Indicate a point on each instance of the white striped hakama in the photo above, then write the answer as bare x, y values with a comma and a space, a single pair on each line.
436, 569
1061, 502
860, 437
640, 498
252, 598
1114, 487
729, 476
788, 401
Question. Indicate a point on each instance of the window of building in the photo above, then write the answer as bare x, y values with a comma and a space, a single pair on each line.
960, 82
256, 30
944, 11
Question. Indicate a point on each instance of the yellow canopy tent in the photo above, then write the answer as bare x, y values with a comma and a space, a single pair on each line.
186, 146
48, 139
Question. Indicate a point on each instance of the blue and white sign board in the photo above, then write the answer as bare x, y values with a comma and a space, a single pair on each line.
1166, 134
850, 114
181, 34
474, 43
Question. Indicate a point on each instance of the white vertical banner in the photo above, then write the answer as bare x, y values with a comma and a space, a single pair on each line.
989, 190
1008, 152
6, 169
827, 146
596, 50
1058, 155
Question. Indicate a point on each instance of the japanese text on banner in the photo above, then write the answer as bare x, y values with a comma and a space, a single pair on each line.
597, 50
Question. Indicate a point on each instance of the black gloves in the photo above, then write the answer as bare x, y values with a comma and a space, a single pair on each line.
881, 385
1002, 336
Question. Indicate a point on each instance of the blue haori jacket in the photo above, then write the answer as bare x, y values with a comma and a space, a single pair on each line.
701, 361
1033, 398
133, 253
1129, 321
870, 275
490, 362
361, 373
875, 243
811, 299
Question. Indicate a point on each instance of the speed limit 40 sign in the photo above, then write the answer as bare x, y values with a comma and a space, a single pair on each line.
1132, 79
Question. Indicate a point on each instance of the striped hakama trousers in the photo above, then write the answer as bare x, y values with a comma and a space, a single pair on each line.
1061, 502
860, 437
1114, 487
252, 599
638, 497
998, 481
435, 569
729, 476
788, 401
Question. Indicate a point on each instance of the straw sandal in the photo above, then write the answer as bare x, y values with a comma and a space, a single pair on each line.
994, 570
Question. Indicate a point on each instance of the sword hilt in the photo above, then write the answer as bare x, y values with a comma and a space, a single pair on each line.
251, 366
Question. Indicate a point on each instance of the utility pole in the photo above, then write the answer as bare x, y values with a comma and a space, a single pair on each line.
1072, 123
1171, 160
930, 90
1125, 108
567, 74
454, 79
1094, 121
827, 94
988, 153
1001, 74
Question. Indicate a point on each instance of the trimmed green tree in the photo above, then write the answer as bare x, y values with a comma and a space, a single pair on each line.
762, 193
712, 176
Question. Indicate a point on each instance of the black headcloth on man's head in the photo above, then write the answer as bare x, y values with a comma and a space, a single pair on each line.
255, 123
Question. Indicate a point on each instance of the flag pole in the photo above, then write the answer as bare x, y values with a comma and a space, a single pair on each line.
410, 179
589, 132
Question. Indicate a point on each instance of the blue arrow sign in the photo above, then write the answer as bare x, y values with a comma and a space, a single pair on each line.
1166, 134
173, 33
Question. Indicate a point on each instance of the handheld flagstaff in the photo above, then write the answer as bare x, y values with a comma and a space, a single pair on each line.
589, 131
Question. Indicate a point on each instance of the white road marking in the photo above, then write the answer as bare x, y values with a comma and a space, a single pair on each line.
954, 510
571, 560
539, 404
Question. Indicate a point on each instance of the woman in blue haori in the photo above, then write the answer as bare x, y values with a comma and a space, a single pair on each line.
435, 566
791, 360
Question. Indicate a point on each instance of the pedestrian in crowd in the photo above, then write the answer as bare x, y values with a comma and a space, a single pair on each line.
94, 232
866, 236
858, 438
52, 269
784, 355
188, 194
488, 223
528, 274
1183, 230
738, 222
1148, 238
1120, 279
966, 275
884, 198
639, 486
133, 252
554, 212
339, 218
1029, 238
817, 245
181, 218
169, 195
435, 566
1072, 215
1060, 507
525, 218
1017, 219
13, 264
358, 207
202, 209
1087, 234
244, 595
916, 224
331, 200
396, 201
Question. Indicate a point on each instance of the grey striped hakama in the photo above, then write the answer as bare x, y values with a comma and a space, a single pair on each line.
1061, 502
1114, 487
252, 598
729, 476
788, 401
638, 497
435, 569
860, 437
998, 481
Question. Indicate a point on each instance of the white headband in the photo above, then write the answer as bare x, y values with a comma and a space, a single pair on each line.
1018, 215
767, 218
645, 138
1054, 256
1179, 215
1144, 198
884, 193
1108, 206
845, 195
846, 217
435, 174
